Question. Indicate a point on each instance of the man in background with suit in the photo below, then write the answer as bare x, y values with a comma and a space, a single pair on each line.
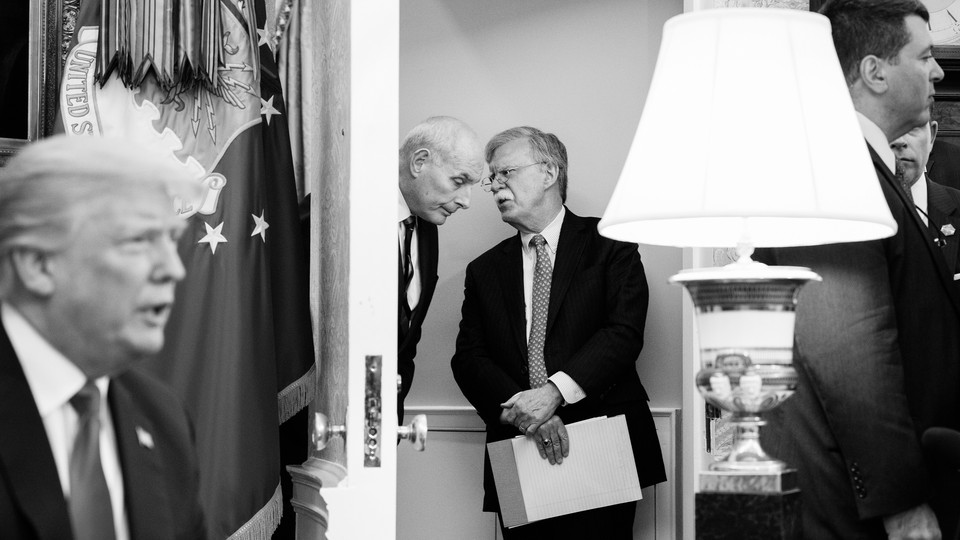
877, 348
440, 161
552, 326
939, 205
93, 448
944, 163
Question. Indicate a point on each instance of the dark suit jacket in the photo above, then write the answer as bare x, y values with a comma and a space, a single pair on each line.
944, 163
160, 484
598, 307
943, 208
878, 358
407, 338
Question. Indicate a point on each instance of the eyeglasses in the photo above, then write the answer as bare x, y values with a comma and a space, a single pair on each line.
504, 175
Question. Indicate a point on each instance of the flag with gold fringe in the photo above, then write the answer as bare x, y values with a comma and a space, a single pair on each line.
197, 79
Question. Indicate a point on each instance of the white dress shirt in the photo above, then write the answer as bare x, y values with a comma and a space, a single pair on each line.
53, 381
919, 192
413, 290
569, 389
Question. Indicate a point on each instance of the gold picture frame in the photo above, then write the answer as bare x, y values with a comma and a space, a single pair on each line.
51, 26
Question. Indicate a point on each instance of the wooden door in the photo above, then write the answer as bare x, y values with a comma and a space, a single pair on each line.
348, 489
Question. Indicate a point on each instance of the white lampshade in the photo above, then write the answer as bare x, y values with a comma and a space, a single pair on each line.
748, 133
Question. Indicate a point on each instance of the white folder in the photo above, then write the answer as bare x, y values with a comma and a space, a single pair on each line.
600, 471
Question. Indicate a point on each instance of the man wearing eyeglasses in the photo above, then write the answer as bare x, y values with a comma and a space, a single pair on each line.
552, 326
440, 161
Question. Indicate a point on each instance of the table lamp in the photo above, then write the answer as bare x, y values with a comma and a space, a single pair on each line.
748, 138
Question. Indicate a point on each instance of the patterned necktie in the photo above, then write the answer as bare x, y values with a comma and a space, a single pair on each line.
903, 183
90, 510
542, 274
406, 271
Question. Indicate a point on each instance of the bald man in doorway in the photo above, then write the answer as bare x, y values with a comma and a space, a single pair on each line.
441, 159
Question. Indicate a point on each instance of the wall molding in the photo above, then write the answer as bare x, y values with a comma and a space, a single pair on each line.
464, 418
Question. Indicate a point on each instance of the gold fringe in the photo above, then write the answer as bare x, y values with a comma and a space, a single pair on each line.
264, 522
297, 394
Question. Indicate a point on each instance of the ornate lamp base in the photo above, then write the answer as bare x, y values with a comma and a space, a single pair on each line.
746, 455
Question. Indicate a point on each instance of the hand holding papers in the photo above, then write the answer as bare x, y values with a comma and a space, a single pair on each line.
599, 471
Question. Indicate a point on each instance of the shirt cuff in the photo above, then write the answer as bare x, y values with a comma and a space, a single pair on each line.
568, 388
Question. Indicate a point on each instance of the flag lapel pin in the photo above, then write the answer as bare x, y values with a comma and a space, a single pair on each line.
144, 438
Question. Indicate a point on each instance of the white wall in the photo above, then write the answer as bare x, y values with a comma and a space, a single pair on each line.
577, 68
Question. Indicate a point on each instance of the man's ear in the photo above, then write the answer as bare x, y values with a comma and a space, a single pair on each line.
873, 73
32, 268
933, 132
417, 161
553, 173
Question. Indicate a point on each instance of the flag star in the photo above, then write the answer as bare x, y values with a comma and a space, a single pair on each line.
264, 38
213, 236
261, 227
267, 108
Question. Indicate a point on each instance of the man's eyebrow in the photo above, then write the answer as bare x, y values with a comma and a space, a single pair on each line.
465, 173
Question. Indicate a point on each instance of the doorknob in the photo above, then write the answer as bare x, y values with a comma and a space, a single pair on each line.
416, 432
322, 431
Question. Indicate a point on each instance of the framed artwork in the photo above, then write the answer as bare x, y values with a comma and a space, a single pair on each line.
945, 29
33, 39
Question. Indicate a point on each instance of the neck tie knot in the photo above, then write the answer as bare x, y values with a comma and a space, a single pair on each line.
538, 241
409, 222
87, 401
907, 187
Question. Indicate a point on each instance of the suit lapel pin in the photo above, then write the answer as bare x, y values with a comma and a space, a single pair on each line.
144, 438
948, 230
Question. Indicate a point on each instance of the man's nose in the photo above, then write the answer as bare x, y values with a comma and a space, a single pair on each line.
169, 266
937, 74
463, 197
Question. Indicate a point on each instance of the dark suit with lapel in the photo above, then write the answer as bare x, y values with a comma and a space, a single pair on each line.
878, 358
595, 322
160, 484
407, 338
944, 163
943, 208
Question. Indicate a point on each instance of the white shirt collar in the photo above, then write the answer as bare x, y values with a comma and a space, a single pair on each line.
878, 141
53, 379
919, 192
550, 233
403, 211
